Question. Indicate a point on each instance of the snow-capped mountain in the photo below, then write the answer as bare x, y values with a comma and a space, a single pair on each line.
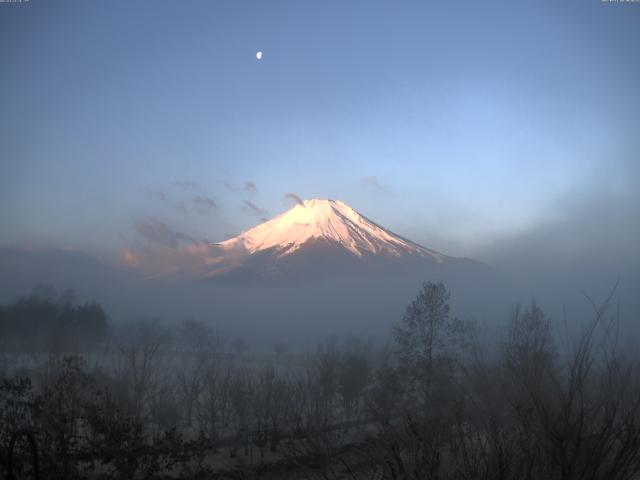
314, 238
328, 220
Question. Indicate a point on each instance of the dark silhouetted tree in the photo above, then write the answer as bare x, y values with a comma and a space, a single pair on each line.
425, 341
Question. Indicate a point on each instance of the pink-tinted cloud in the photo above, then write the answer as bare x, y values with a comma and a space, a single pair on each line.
129, 257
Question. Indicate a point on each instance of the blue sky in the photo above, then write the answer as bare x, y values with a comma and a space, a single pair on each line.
456, 124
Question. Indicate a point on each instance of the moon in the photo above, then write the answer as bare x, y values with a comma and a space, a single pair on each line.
259, 54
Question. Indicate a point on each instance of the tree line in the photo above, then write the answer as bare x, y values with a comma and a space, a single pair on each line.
45, 321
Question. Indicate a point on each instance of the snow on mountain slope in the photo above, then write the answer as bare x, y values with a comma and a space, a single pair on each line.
325, 221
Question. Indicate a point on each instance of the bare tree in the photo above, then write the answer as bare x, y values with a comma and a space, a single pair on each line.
425, 341
353, 376
385, 397
198, 349
214, 406
139, 370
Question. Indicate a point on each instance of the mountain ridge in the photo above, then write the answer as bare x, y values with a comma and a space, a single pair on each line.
318, 237
330, 219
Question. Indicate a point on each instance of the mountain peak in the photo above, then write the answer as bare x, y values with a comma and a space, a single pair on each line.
316, 202
323, 204
328, 221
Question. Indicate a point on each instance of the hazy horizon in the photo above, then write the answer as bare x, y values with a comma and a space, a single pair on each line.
134, 134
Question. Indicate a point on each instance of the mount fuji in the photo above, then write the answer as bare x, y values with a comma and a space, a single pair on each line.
333, 269
321, 238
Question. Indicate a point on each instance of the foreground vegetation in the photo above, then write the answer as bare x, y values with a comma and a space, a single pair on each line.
438, 403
